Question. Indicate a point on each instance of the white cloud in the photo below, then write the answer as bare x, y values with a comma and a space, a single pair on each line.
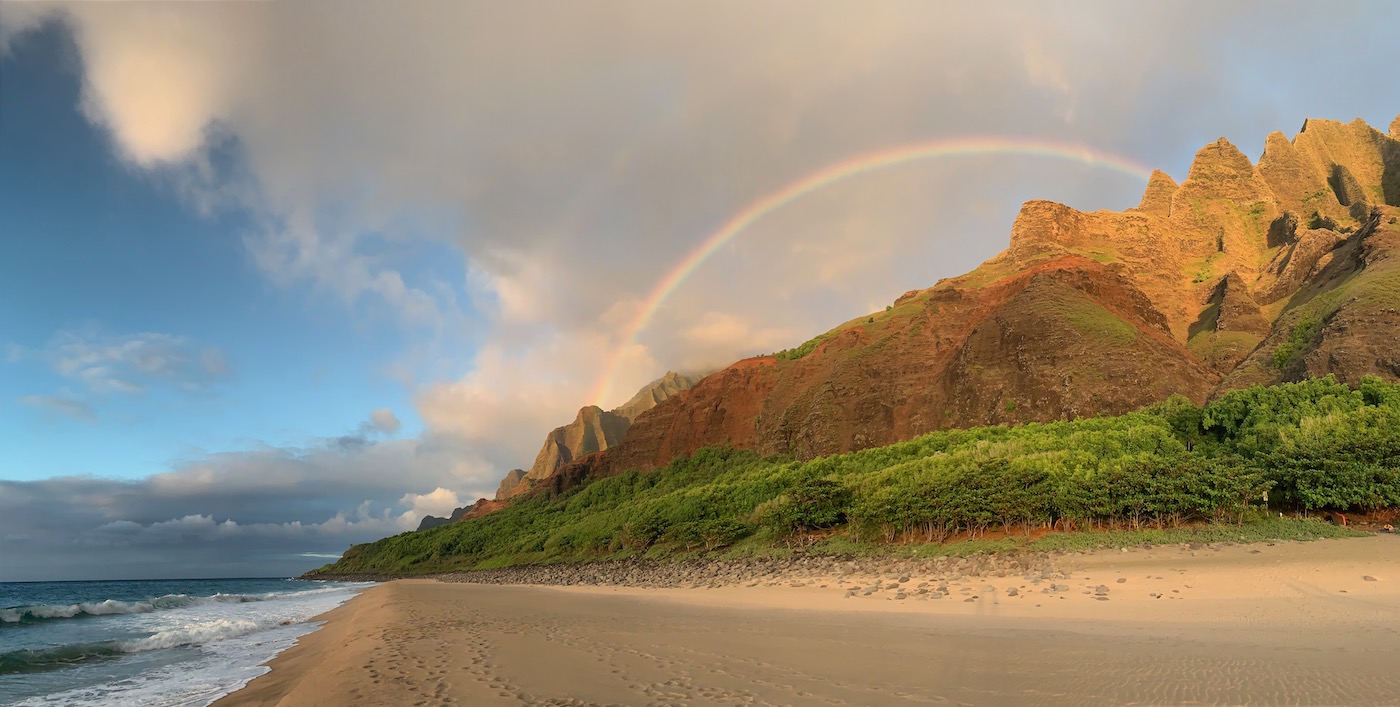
63, 405
385, 421
129, 364
1048, 72
440, 502
514, 395
712, 340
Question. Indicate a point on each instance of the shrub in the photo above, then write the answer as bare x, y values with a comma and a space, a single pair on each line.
813, 504
1316, 444
642, 533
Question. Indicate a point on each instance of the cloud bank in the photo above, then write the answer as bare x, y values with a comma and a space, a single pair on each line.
251, 513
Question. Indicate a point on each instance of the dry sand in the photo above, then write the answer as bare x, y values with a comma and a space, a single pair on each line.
1289, 623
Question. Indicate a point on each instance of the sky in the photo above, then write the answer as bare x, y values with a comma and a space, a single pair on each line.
282, 277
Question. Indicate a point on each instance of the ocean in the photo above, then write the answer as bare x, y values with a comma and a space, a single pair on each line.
152, 643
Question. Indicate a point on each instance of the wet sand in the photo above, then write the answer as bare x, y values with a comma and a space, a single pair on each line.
1290, 623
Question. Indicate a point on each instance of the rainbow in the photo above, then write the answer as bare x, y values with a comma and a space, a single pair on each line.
831, 174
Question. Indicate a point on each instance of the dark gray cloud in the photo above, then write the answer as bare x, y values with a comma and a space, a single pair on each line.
382, 423
273, 510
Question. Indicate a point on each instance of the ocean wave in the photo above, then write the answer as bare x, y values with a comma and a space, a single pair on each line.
39, 660
204, 632
108, 607
105, 607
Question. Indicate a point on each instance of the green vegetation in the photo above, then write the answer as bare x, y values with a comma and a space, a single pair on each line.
1101, 253
1094, 323
1216, 348
1173, 472
807, 347
1204, 270
873, 324
1301, 337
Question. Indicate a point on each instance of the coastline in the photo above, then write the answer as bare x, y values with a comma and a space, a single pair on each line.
1269, 622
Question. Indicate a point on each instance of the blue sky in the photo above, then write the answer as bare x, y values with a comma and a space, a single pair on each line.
100, 253
280, 277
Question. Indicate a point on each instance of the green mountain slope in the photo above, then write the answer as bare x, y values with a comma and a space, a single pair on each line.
1316, 444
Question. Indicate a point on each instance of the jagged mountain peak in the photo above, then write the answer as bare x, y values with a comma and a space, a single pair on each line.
509, 482
593, 430
1192, 292
1220, 160
1241, 274
653, 393
1157, 198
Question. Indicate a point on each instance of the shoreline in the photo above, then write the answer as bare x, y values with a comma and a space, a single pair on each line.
1285, 621
644, 571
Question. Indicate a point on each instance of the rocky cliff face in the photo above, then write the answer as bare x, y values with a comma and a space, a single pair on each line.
1241, 274
592, 431
653, 393
435, 521
508, 484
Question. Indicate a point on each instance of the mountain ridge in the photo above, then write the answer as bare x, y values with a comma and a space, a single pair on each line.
593, 430
1193, 291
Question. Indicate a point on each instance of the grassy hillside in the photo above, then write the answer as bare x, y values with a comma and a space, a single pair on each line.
1303, 446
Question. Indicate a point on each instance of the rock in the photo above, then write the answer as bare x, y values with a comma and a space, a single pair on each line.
1012, 592
508, 484
1122, 580
1369, 578
1157, 199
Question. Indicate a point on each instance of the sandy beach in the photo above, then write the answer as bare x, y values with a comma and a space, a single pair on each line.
1286, 623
